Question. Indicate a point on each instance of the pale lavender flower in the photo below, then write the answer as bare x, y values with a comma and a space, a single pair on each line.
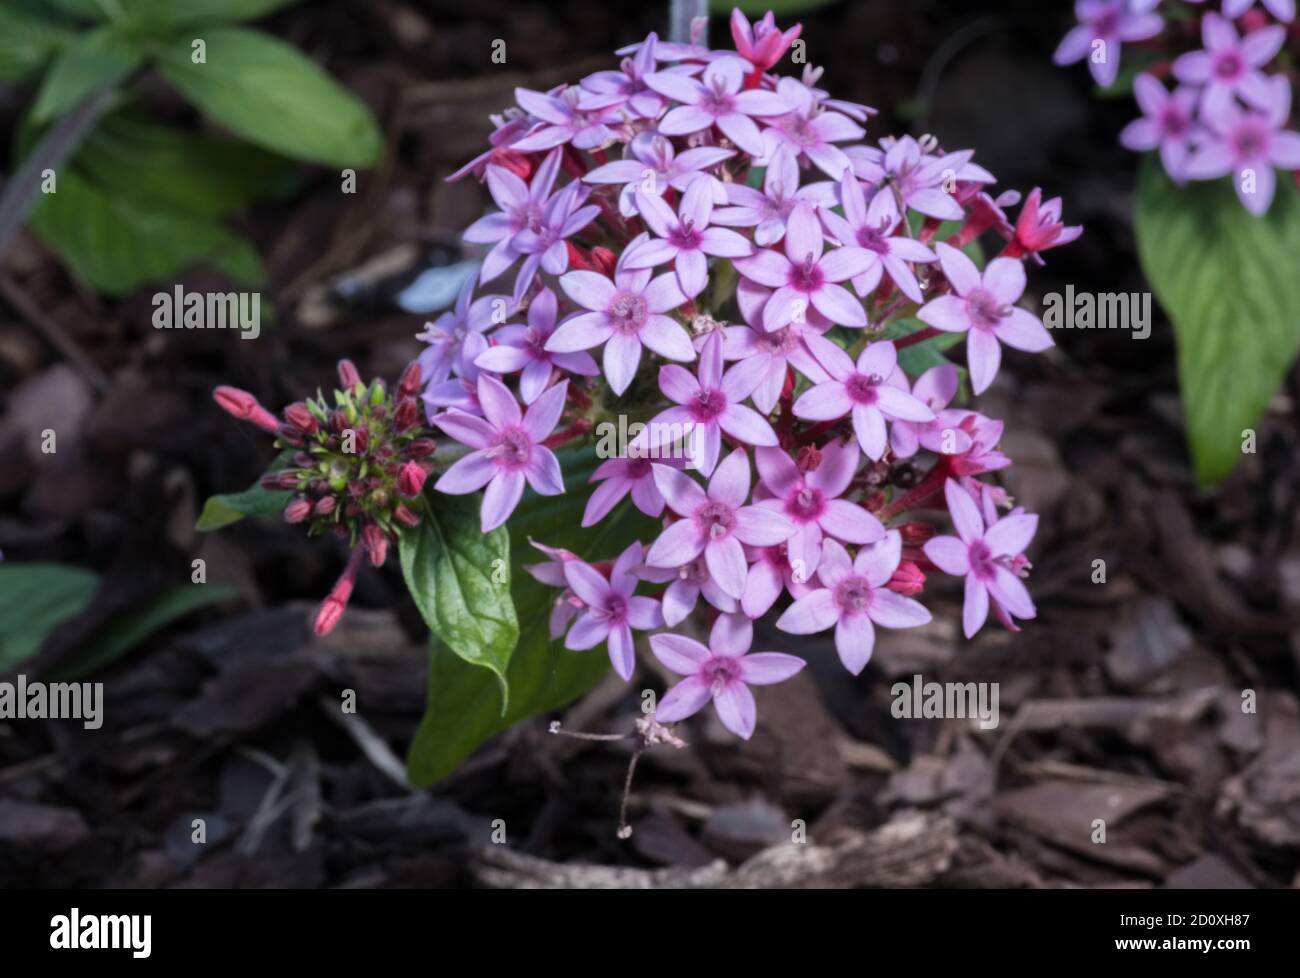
808, 129
684, 238
522, 205
688, 583
770, 570
460, 392
618, 477
1283, 10
1168, 122
567, 605
708, 404
623, 315
544, 241
811, 501
653, 158
982, 456
1104, 25
716, 99
854, 598
983, 307
921, 181
1230, 64
767, 210
870, 228
987, 559
1249, 144
508, 449
944, 435
805, 276
721, 672
860, 390
563, 121
612, 610
715, 524
626, 88
523, 348
446, 335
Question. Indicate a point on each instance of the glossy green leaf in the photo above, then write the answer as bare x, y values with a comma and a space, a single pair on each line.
35, 598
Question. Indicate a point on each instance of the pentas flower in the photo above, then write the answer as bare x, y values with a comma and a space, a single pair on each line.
907, 177
860, 390
544, 241
561, 120
770, 571
716, 99
1283, 10
459, 392
991, 560
810, 500
1168, 123
654, 157
854, 597
721, 672
983, 307
611, 609
684, 238
521, 206
804, 276
1104, 26
1230, 64
715, 523
623, 315
808, 130
686, 585
709, 404
446, 334
1249, 145
626, 89
794, 346
618, 477
767, 210
982, 456
871, 227
565, 607
763, 43
507, 449
1040, 227
936, 389
523, 349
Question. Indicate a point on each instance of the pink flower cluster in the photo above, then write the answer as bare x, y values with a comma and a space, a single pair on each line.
730, 261
1230, 107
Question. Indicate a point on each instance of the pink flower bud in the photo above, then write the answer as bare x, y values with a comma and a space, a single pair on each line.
405, 516
332, 608
277, 481
409, 385
245, 407
407, 413
348, 375
298, 416
410, 479
325, 505
298, 510
420, 448
376, 543
808, 459
908, 580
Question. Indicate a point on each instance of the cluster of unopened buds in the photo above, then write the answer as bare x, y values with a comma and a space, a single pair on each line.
1233, 71
355, 465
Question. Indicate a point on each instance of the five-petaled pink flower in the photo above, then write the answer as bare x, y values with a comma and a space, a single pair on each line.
853, 595
685, 238
1230, 64
990, 560
1168, 122
722, 672
523, 348
861, 390
508, 449
715, 523
1104, 25
984, 307
717, 100
612, 610
871, 228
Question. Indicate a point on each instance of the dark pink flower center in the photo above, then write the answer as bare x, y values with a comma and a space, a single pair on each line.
1250, 140
715, 520
852, 595
806, 504
873, 240
861, 388
1106, 23
511, 448
638, 467
1228, 65
628, 312
1173, 121
708, 404
720, 671
808, 276
981, 559
615, 609
684, 236
985, 310
778, 557
717, 101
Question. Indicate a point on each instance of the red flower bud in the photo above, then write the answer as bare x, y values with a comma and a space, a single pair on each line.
915, 534
245, 407
603, 260
275, 481
325, 505
405, 516
407, 413
410, 382
298, 416
297, 510
908, 580
290, 435
376, 543
348, 375
410, 479
808, 459
420, 448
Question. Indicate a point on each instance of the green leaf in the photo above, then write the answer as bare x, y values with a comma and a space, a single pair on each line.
460, 579
255, 501
29, 37
178, 13
274, 96
96, 60
34, 599
118, 244
462, 708
199, 175
1228, 281
128, 630
84, 9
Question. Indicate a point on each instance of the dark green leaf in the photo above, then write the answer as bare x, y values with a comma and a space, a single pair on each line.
34, 599
254, 501
463, 708
96, 60
29, 36
269, 93
460, 579
1228, 281
179, 13
128, 630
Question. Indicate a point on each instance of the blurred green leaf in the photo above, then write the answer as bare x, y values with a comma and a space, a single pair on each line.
35, 598
96, 60
179, 13
117, 244
451, 569
199, 175
463, 707
276, 97
1228, 281
128, 630
29, 37
254, 501
84, 9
